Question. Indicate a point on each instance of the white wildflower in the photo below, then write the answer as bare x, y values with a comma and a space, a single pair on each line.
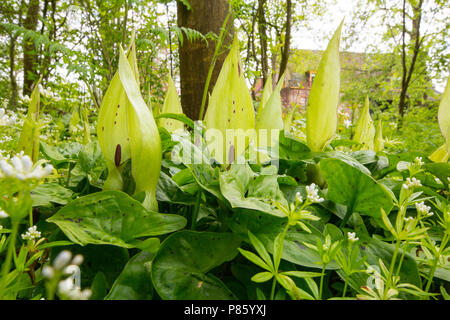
347, 123
48, 272
418, 161
62, 259
424, 209
352, 236
411, 183
21, 167
69, 289
409, 219
3, 214
298, 197
313, 193
31, 234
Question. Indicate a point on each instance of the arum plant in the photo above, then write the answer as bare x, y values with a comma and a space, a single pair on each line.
440, 154
378, 143
270, 120
230, 110
365, 130
321, 111
171, 105
29, 137
267, 92
444, 115
127, 130
271, 266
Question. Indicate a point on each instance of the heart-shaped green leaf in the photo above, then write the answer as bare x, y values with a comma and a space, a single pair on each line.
180, 268
112, 217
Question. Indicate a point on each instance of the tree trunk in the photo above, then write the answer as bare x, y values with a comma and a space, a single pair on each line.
287, 39
416, 39
29, 49
263, 40
196, 57
12, 73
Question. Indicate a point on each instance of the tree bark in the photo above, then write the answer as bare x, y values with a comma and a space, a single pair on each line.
263, 40
29, 49
287, 39
12, 73
196, 57
408, 71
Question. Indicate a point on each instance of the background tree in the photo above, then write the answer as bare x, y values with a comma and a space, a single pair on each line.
196, 56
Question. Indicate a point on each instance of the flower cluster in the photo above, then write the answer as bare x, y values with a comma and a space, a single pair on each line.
313, 193
411, 183
424, 209
3, 214
298, 197
6, 120
418, 161
21, 167
31, 234
352, 236
346, 117
65, 265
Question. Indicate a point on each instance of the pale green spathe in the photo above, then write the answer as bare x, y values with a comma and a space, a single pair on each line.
230, 107
444, 115
365, 130
321, 112
171, 105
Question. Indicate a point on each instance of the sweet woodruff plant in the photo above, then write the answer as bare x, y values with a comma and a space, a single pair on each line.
127, 130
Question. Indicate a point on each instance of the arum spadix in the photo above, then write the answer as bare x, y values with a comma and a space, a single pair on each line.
171, 105
378, 143
321, 112
444, 115
270, 120
29, 137
230, 110
127, 130
365, 130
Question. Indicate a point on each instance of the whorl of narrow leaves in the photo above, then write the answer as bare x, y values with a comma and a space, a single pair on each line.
171, 105
444, 115
127, 130
365, 130
230, 107
321, 112
29, 137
